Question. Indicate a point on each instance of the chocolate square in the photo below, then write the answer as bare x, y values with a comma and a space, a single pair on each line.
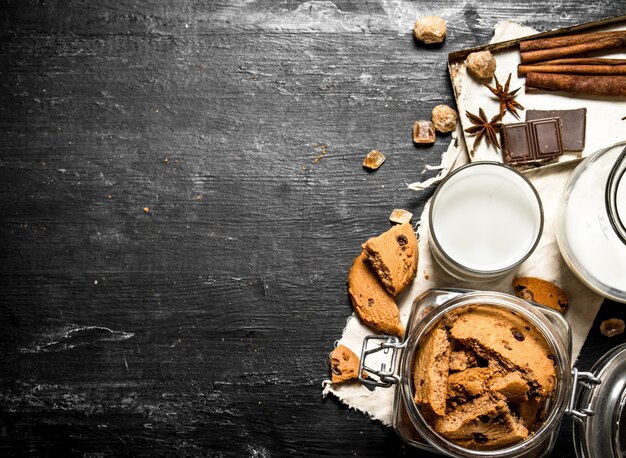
516, 143
547, 136
573, 125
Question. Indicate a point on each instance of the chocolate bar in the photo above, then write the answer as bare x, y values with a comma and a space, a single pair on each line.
531, 141
573, 124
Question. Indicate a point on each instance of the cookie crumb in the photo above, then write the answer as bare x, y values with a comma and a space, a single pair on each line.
146, 209
321, 151
344, 365
612, 327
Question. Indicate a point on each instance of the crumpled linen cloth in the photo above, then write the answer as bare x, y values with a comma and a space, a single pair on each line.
546, 262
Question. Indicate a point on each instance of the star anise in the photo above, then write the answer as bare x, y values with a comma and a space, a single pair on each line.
484, 127
507, 99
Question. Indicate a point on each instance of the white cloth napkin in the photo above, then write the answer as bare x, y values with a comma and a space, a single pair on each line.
546, 262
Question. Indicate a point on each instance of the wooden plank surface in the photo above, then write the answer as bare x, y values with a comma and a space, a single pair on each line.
202, 327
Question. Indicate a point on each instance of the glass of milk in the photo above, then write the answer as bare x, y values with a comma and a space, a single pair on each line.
485, 219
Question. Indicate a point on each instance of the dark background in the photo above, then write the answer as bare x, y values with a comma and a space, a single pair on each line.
202, 327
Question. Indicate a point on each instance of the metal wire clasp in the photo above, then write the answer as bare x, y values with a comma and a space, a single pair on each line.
586, 379
382, 377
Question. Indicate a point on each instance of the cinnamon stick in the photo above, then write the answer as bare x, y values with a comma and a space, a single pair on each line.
568, 40
613, 85
574, 69
566, 51
583, 61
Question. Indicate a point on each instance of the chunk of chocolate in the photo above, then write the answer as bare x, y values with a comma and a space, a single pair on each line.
548, 141
516, 143
531, 141
573, 125
612, 327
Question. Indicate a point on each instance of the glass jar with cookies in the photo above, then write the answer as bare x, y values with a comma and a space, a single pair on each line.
484, 374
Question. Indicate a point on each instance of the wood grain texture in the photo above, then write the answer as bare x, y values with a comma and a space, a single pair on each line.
203, 327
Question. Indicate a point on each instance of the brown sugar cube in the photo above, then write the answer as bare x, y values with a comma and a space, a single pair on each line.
373, 160
344, 364
423, 132
430, 29
371, 301
481, 64
541, 291
444, 118
393, 255
612, 327
399, 216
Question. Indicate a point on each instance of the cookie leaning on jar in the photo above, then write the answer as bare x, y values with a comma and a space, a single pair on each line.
483, 378
386, 266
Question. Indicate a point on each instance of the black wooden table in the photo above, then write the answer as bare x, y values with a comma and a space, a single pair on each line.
181, 196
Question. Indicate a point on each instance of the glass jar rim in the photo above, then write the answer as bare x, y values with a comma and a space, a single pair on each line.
616, 179
541, 323
589, 179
